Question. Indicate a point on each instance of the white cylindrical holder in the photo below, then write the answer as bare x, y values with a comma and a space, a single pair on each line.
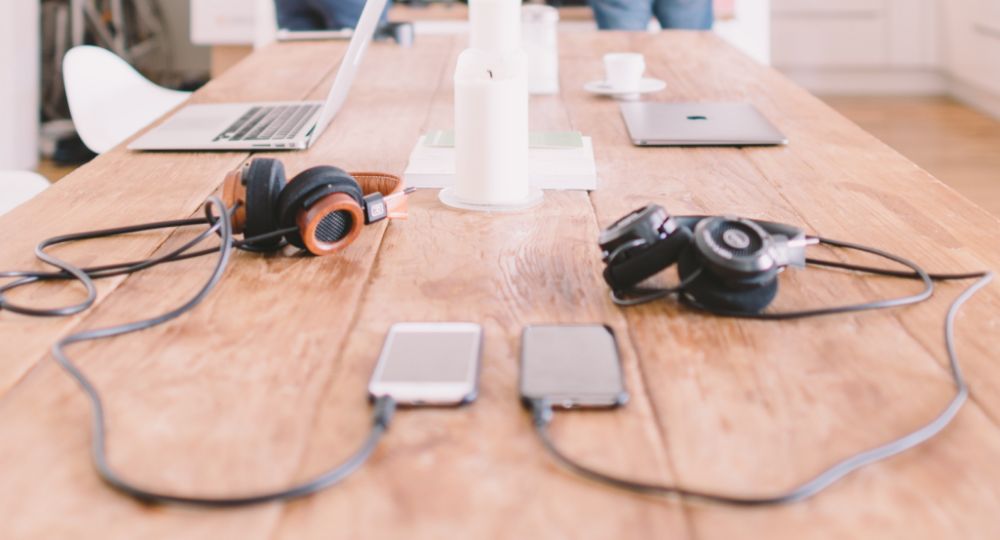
495, 25
540, 40
491, 133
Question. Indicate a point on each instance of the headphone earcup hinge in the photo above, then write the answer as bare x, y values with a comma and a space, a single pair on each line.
374, 208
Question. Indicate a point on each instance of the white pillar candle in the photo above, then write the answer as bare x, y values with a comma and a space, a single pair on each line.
491, 128
495, 25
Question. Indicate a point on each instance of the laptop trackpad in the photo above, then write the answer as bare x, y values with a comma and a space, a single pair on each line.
205, 121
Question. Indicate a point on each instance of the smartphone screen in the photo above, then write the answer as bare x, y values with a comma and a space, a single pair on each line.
429, 364
571, 366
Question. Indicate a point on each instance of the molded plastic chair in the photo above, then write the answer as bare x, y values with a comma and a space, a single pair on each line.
17, 187
108, 99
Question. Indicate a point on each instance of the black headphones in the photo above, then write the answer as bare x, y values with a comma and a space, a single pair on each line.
724, 262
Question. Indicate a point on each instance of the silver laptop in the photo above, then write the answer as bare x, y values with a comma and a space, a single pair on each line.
698, 124
292, 125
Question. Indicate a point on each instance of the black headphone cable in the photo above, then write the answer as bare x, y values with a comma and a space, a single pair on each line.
542, 413
384, 407
916, 273
86, 275
542, 410
639, 295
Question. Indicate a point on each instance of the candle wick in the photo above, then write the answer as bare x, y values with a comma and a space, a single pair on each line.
490, 71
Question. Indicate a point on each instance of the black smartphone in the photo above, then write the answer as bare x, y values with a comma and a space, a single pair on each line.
571, 366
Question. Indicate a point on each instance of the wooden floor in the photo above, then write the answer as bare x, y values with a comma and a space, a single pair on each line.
957, 144
52, 170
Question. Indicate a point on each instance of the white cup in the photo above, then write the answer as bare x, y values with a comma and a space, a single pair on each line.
623, 71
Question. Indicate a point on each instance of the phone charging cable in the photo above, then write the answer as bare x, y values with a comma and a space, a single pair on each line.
542, 413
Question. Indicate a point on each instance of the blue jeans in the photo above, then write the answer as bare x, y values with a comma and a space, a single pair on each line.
321, 14
635, 14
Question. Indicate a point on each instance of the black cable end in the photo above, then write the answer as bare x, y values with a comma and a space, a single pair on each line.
385, 408
541, 412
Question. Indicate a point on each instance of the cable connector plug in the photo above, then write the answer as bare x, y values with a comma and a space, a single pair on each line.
541, 412
385, 408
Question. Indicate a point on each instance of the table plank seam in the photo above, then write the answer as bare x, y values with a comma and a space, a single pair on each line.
893, 313
334, 371
276, 530
644, 380
643, 375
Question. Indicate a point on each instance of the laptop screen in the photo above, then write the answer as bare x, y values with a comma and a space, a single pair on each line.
349, 64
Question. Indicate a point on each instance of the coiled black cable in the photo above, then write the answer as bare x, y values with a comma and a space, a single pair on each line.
86, 275
221, 225
542, 410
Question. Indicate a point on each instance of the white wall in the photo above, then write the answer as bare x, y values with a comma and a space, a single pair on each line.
750, 29
921, 47
19, 83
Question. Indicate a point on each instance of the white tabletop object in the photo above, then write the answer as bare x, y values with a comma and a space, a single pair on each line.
491, 128
646, 86
495, 25
540, 39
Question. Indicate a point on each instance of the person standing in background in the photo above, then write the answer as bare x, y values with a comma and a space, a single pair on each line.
635, 14
304, 15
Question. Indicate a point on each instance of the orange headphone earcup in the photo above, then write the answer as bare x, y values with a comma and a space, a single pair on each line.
234, 196
331, 224
324, 204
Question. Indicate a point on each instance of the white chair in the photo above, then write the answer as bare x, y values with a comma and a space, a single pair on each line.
17, 187
108, 99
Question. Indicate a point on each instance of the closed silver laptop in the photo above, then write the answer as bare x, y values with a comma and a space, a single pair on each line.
291, 125
698, 124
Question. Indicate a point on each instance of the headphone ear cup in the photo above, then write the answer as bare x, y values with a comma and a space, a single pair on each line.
324, 204
712, 291
264, 180
656, 258
234, 196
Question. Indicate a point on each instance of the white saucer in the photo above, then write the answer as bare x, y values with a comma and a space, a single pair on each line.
646, 86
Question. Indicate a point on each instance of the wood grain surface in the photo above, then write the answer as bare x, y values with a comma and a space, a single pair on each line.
264, 383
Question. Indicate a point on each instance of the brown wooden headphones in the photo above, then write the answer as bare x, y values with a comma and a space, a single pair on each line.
321, 209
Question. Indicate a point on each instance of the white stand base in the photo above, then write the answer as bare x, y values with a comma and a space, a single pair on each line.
448, 197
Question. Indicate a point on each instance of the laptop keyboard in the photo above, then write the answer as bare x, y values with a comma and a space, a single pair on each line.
269, 123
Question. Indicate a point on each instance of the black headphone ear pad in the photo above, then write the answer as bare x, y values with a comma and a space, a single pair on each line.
264, 180
712, 292
656, 258
299, 188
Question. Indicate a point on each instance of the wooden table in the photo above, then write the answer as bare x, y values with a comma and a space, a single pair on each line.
265, 382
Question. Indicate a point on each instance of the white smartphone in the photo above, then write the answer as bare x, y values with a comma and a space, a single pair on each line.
429, 364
